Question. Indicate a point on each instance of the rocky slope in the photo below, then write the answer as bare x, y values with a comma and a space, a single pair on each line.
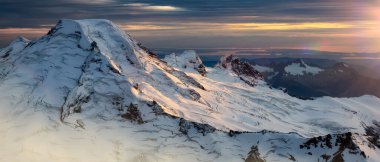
87, 91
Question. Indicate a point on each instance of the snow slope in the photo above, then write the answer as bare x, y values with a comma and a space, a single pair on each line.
15, 47
88, 92
188, 61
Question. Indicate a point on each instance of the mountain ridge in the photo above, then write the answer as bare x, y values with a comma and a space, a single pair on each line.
337, 80
88, 82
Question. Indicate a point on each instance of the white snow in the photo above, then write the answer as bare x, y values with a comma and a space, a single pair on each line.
48, 81
15, 47
298, 69
186, 61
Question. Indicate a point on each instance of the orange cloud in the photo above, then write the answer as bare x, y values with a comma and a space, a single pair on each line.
24, 31
146, 27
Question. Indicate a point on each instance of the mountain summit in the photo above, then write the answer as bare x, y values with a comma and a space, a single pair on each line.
87, 91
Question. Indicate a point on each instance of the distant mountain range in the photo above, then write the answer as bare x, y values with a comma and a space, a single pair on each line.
307, 78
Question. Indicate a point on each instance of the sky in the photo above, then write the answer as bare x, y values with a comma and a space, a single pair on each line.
327, 25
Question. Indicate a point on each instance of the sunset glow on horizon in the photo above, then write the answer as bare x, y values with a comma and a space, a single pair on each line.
349, 26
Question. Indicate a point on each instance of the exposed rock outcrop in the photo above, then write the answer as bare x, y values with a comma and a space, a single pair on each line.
246, 72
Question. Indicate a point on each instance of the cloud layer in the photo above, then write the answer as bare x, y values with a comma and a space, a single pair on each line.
323, 24
149, 7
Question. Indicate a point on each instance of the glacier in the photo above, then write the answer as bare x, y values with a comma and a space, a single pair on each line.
87, 91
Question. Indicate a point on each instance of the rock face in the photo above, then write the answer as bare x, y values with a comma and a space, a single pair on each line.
254, 155
344, 142
133, 114
244, 70
87, 91
373, 134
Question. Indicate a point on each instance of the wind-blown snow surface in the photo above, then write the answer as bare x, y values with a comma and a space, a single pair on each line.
69, 96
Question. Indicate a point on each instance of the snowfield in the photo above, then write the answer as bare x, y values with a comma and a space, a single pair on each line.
301, 69
88, 92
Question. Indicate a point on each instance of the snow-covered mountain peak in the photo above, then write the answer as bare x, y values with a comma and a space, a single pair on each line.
300, 61
85, 66
103, 35
299, 67
14, 47
225, 61
87, 90
244, 70
21, 39
188, 60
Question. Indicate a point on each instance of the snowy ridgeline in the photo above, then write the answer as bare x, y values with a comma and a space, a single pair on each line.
302, 68
88, 92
